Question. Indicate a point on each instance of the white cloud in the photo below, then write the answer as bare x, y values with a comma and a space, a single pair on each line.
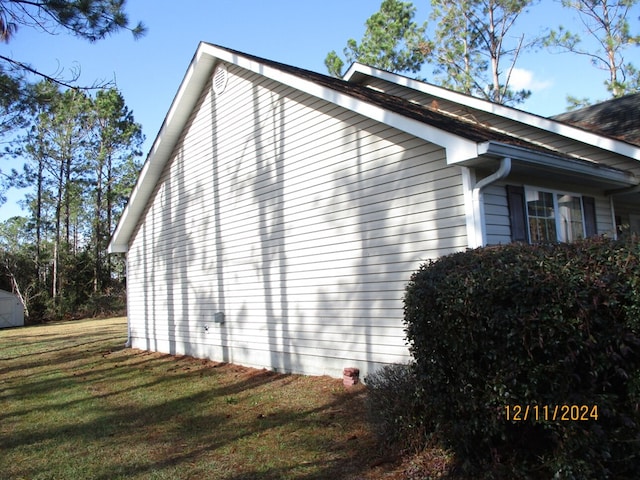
522, 79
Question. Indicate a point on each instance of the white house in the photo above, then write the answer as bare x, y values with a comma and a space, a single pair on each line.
280, 212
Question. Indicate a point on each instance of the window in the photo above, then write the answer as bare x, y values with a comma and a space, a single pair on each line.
540, 216
554, 216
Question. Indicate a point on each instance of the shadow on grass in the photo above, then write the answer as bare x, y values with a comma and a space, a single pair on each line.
66, 353
121, 413
114, 371
214, 433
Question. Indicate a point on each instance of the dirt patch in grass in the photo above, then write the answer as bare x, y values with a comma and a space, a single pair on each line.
77, 404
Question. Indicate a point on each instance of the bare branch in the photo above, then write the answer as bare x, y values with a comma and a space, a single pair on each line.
57, 81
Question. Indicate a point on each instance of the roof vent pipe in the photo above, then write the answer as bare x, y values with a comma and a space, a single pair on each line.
478, 202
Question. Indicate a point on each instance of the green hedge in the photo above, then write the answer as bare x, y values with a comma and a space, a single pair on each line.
521, 325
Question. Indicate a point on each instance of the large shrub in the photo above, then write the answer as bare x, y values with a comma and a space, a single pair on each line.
521, 325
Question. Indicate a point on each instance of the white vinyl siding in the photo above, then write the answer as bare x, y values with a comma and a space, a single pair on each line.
301, 221
496, 212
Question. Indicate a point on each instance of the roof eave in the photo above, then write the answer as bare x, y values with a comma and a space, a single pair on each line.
459, 150
612, 176
189, 91
358, 71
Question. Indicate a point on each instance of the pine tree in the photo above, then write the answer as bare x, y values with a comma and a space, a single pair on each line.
392, 42
472, 43
605, 23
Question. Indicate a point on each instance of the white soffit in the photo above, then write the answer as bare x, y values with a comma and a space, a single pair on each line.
619, 178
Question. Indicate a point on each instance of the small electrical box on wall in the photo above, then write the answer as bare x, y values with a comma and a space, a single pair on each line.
218, 317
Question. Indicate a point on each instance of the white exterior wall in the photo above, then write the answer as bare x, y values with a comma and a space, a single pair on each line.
496, 212
300, 221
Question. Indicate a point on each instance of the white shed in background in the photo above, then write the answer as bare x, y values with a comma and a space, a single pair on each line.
11, 310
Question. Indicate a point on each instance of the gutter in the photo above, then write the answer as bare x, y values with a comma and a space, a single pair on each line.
575, 166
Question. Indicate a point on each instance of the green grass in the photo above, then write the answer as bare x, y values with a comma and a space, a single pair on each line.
75, 404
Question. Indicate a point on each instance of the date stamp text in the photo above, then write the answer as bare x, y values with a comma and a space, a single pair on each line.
551, 413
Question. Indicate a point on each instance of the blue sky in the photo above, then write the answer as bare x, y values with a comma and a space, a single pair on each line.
148, 71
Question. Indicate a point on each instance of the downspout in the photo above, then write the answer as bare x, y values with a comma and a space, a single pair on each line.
478, 204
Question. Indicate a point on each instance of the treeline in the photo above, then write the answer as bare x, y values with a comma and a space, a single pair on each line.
475, 46
81, 155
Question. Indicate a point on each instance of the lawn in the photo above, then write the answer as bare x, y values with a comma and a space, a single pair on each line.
76, 404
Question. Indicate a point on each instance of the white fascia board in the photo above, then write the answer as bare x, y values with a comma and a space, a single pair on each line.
458, 148
358, 70
189, 91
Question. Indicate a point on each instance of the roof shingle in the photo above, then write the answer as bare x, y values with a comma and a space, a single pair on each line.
618, 118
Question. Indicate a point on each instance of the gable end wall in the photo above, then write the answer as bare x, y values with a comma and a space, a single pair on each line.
298, 220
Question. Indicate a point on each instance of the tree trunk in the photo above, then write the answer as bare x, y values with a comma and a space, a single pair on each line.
611, 52
109, 210
67, 200
494, 51
55, 291
16, 291
97, 269
39, 193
